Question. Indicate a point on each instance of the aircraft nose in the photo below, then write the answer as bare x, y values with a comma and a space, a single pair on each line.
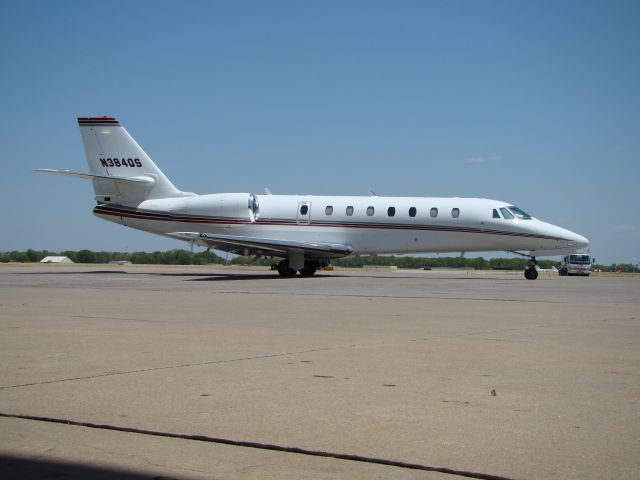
576, 240
567, 238
581, 242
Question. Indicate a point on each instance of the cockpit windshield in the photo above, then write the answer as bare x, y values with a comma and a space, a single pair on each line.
506, 214
521, 214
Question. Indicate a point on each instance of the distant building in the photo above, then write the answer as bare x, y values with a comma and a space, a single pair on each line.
51, 259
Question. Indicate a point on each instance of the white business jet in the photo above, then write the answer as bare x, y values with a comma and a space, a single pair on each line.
305, 231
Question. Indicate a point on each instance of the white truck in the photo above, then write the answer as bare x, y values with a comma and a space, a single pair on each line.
575, 264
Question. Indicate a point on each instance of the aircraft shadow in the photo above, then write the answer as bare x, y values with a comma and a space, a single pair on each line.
397, 277
153, 274
239, 276
14, 468
93, 272
267, 275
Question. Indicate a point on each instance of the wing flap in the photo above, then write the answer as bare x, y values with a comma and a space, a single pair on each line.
264, 246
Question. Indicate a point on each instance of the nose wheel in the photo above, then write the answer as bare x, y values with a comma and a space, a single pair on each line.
531, 272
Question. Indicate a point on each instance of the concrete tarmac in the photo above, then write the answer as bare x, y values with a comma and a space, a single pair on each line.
438, 374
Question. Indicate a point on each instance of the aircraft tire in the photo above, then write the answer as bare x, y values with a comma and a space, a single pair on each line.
308, 270
284, 270
531, 274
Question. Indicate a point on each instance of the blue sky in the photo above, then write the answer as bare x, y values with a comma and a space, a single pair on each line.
534, 103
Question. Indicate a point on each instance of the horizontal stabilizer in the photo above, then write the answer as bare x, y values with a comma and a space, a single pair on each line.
263, 246
91, 176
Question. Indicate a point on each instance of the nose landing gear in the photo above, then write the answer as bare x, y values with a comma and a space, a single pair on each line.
531, 272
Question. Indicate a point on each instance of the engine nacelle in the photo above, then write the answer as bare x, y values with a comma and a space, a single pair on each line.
234, 206
254, 207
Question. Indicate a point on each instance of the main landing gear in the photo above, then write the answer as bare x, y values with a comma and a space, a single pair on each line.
531, 272
308, 270
284, 270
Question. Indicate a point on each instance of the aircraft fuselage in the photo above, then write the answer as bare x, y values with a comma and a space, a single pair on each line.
396, 224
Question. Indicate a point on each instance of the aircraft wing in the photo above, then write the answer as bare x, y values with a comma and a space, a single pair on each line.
264, 246
91, 176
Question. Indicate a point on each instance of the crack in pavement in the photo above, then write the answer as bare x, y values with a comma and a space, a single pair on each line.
260, 357
168, 367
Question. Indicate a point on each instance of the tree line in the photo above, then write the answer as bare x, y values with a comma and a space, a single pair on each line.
185, 257
170, 257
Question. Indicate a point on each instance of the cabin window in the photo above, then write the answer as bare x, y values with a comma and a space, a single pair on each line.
349, 211
412, 212
495, 213
328, 210
506, 214
370, 211
455, 212
391, 211
433, 212
304, 209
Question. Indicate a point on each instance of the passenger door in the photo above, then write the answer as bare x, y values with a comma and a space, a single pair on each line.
304, 213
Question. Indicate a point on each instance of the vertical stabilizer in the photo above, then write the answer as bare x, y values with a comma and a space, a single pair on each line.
112, 152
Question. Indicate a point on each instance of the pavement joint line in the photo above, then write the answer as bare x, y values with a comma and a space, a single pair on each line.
168, 367
261, 446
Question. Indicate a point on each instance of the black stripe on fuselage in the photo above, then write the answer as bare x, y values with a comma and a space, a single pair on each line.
141, 214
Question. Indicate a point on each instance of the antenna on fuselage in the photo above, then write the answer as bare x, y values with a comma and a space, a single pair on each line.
372, 193
267, 190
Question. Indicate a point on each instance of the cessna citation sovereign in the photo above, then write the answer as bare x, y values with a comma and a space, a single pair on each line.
305, 231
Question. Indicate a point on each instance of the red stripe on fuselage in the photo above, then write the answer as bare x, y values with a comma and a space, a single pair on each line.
163, 217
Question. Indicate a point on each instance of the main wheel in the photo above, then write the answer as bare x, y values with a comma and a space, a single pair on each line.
309, 269
284, 270
531, 274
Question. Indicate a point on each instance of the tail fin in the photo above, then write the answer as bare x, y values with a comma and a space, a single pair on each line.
113, 154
